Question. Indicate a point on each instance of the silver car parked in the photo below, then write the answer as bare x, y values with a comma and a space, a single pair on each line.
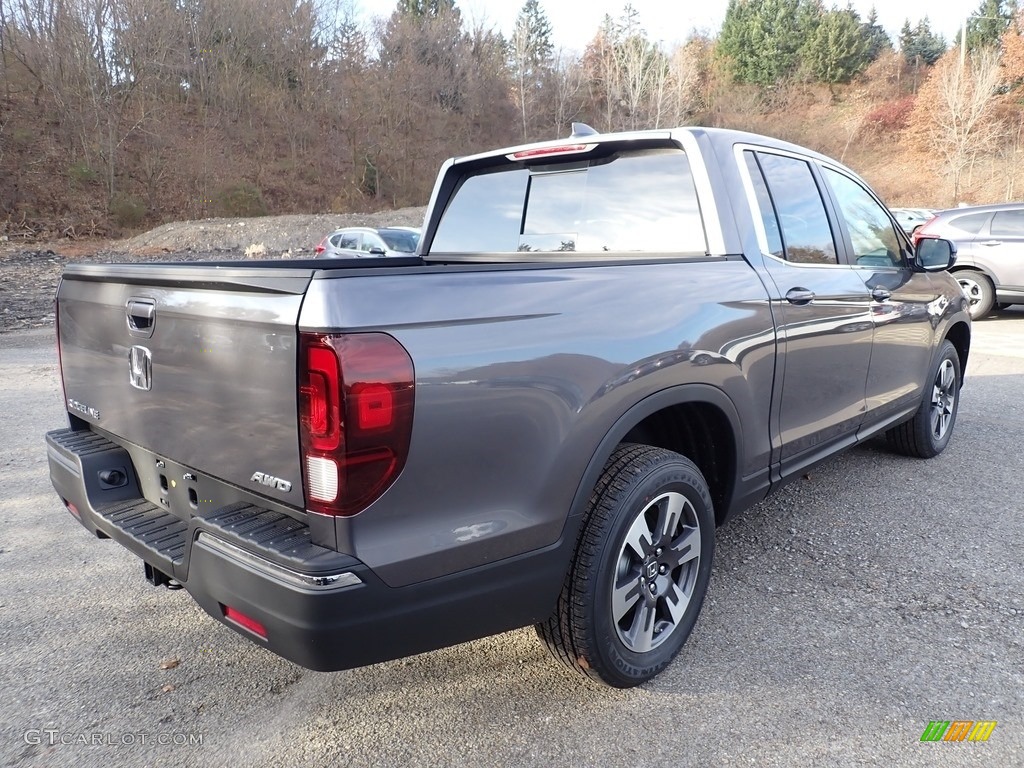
911, 219
354, 242
990, 252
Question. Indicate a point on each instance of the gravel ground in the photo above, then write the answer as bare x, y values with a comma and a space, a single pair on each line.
845, 613
29, 274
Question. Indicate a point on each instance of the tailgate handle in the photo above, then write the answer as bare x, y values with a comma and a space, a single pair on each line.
141, 317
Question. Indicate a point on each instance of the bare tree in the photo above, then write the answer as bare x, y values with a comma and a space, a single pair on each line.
603, 74
643, 73
531, 62
954, 111
567, 90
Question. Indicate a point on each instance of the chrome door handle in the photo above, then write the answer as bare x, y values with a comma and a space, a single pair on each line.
880, 294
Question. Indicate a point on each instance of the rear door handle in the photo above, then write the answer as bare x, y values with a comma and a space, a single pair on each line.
991, 242
799, 296
880, 294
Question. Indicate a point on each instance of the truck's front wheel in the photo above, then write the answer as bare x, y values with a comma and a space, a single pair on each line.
640, 571
927, 434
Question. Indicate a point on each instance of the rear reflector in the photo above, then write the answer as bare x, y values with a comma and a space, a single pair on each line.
72, 509
245, 622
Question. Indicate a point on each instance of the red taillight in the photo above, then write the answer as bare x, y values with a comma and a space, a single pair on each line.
921, 231
356, 400
375, 406
320, 394
320, 248
245, 622
564, 149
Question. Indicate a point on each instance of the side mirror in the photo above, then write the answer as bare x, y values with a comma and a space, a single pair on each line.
934, 254
377, 251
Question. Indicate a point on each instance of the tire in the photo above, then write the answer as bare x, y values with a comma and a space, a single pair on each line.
640, 570
979, 292
927, 433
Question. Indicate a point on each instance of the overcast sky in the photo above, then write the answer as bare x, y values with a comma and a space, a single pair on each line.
575, 22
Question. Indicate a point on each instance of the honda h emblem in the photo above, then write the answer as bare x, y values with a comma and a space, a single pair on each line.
140, 368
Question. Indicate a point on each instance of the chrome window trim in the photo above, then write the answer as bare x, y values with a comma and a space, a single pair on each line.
748, 187
705, 192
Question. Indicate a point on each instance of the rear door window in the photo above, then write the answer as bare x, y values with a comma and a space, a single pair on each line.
1008, 224
633, 201
765, 207
806, 234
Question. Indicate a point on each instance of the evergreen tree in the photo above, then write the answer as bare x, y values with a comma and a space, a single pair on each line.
875, 36
424, 8
906, 36
760, 39
920, 45
534, 31
839, 50
986, 26
809, 14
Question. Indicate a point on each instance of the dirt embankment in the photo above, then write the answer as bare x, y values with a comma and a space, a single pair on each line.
29, 273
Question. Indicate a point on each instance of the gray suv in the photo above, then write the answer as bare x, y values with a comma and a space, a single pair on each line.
990, 252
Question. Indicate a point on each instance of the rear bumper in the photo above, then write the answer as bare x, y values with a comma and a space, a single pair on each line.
318, 608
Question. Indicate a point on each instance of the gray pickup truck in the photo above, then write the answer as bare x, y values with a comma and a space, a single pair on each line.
605, 347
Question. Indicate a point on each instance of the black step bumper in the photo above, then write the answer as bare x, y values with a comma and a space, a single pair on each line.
316, 607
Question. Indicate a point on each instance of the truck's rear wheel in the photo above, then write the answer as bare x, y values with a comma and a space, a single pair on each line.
640, 571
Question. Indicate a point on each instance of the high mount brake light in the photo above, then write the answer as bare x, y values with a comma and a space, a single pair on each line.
563, 149
356, 394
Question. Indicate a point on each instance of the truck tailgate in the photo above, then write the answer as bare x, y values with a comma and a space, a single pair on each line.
196, 364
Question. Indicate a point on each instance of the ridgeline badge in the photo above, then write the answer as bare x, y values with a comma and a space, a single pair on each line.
82, 408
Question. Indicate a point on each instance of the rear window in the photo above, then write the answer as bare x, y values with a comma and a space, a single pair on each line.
400, 240
640, 201
972, 222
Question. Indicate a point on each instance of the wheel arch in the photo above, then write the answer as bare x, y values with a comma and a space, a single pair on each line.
974, 267
959, 334
697, 420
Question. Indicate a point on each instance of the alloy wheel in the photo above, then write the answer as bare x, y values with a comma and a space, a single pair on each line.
656, 572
